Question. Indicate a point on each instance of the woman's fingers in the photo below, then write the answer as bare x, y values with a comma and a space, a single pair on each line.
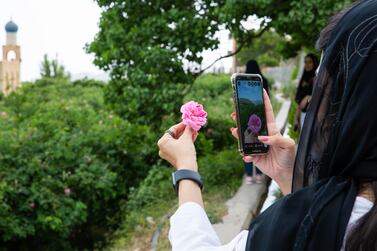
270, 118
195, 136
234, 132
248, 159
277, 140
233, 115
188, 133
177, 129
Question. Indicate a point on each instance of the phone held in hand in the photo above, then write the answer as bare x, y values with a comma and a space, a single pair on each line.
250, 111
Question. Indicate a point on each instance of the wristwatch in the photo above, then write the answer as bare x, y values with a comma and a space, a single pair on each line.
185, 174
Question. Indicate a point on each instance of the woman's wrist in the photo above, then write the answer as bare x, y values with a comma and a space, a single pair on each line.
187, 164
284, 182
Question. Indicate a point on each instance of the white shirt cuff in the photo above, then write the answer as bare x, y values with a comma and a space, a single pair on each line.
190, 229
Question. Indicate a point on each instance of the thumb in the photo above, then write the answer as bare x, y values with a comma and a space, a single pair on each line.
188, 132
277, 140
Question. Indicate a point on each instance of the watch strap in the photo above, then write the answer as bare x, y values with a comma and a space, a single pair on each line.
185, 174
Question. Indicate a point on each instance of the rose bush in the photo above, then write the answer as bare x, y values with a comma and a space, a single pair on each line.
66, 166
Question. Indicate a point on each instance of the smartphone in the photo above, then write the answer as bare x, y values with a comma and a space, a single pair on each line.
250, 111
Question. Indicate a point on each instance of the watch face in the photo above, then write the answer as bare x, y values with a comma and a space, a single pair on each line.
173, 179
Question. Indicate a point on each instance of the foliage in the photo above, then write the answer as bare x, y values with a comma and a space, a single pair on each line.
221, 168
294, 134
144, 44
294, 73
154, 197
289, 90
215, 93
86, 82
155, 188
265, 50
52, 69
153, 48
66, 166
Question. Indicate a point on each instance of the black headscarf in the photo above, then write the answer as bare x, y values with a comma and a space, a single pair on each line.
252, 67
305, 86
338, 144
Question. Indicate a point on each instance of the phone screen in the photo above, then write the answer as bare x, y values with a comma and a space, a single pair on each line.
252, 116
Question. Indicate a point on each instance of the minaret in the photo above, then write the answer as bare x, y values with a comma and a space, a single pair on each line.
10, 67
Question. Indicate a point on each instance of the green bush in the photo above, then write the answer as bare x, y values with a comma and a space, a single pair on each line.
291, 117
222, 168
155, 188
289, 90
294, 73
66, 166
214, 91
154, 197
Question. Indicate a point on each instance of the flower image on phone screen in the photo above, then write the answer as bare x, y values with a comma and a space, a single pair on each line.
252, 116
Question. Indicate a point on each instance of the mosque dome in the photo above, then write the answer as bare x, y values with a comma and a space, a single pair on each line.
11, 27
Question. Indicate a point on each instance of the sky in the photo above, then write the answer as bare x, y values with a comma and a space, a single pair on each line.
55, 27
252, 93
62, 28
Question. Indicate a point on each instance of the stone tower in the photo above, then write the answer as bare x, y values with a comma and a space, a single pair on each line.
10, 66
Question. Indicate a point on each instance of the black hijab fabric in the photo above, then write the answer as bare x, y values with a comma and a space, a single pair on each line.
338, 144
252, 67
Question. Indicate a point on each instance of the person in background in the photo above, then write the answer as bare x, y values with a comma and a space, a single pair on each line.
252, 67
305, 88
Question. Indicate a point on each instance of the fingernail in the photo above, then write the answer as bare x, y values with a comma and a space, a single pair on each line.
263, 138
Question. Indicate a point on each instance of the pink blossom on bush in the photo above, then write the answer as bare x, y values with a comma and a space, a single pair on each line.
254, 124
32, 205
67, 191
193, 115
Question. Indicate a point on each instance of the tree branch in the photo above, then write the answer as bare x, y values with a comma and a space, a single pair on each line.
239, 48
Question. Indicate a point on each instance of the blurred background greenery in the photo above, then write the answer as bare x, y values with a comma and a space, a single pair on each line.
79, 168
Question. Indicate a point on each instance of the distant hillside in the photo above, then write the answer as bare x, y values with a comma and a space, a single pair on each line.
247, 101
101, 76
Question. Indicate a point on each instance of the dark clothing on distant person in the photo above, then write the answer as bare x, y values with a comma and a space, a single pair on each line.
249, 169
252, 67
305, 86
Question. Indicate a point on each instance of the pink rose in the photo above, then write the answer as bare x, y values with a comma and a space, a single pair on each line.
67, 191
32, 205
193, 115
254, 124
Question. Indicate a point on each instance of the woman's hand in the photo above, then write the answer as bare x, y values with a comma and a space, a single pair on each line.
278, 162
180, 150
304, 102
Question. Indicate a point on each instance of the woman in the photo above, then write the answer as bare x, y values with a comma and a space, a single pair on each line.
334, 185
305, 88
252, 67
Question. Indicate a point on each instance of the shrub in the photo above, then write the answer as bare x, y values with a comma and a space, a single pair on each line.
223, 168
291, 117
215, 93
155, 188
66, 166
294, 73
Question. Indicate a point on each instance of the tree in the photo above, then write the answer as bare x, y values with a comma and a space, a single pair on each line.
52, 69
153, 48
267, 50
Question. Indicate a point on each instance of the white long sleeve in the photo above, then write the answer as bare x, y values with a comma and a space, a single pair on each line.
191, 230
